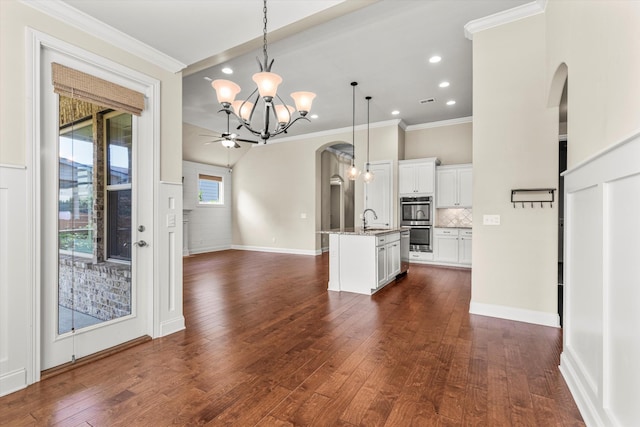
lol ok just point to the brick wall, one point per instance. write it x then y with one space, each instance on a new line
101 290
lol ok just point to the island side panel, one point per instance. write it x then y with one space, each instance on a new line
334 262
358 264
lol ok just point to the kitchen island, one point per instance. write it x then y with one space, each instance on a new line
363 261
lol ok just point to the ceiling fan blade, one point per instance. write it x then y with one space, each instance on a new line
211 136
246 140
237 145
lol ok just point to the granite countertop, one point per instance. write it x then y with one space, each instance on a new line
362 232
454 226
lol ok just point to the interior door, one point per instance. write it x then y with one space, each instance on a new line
95 226
378 195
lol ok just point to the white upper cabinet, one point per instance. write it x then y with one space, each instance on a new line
417 177
454 186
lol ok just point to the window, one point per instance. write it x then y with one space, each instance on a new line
210 190
75 189
118 188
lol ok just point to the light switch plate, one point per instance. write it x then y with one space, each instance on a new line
491 219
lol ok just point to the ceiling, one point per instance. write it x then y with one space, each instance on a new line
319 46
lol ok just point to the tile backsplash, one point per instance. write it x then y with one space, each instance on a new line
454 218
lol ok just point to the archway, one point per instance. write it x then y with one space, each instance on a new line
333 159
558 98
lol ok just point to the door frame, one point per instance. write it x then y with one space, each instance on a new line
102 67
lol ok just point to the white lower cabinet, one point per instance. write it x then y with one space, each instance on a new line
464 247
381 276
452 246
446 245
388 250
393 258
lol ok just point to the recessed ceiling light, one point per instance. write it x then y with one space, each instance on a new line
314 116
395 112
451 102
435 59
444 84
227 70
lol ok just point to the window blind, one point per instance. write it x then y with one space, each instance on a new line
210 178
78 85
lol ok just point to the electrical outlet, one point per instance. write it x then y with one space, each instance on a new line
491 219
303 216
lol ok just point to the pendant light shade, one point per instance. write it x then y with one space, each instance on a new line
226 91
368 175
242 109
303 101
353 173
267 84
284 113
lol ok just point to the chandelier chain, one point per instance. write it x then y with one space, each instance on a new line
264 32
368 102
353 127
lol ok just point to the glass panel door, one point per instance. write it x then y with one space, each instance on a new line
95 282
94 285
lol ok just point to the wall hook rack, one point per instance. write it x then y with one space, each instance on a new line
533 195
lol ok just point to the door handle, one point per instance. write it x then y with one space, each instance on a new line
140 243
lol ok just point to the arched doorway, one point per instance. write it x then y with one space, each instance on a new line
558 98
337 196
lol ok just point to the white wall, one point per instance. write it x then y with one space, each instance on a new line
275 185
598 41
18 278
450 143
515 145
209 225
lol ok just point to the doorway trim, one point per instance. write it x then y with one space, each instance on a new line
36 43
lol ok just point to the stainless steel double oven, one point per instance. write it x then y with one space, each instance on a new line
416 212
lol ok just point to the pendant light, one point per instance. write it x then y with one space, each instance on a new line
368 175
353 173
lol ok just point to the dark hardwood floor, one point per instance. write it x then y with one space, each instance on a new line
266 344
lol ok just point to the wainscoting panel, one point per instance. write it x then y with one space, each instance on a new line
602 285
15 281
622 298
169 262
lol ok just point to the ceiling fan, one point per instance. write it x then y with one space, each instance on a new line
228 139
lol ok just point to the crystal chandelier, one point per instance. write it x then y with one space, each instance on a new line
273 106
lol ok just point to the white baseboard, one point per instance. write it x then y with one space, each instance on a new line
170 326
517 314
194 251
277 250
13 381
570 371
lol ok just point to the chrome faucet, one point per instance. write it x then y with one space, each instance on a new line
364 217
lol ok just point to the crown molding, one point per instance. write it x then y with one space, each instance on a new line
395 122
62 11
441 123
510 15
